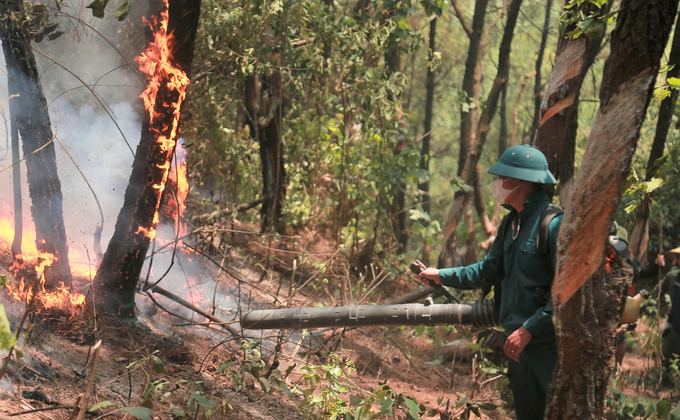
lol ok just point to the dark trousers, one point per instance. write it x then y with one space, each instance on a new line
530 378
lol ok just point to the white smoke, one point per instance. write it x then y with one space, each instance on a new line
83 125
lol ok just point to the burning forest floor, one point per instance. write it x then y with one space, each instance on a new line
185 368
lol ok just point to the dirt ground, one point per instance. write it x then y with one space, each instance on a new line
57 360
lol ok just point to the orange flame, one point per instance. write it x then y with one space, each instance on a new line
156 63
80 263
178 175
61 298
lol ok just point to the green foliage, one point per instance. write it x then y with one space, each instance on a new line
252 366
637 189
323 387
624 407
346 150
578 19
6 337
664 188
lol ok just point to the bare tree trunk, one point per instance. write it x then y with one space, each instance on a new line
556 132
503 130
427 126
399 214
489 111
271 155
29 113
472 83
640 235
538 84
264 108
116 280
470 154
586 304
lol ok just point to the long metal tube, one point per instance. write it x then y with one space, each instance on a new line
479 314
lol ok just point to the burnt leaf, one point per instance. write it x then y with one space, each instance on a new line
55 35
50 28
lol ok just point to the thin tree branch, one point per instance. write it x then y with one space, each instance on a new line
93 94
459 14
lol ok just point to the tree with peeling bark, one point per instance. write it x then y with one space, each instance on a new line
558 121
31 119
118 274
587 303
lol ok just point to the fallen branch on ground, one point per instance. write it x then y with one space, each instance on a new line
223 324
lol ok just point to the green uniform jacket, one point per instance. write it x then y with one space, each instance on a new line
523 268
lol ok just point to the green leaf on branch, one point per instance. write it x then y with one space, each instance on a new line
139 412
652 185
99 405
266 387
97 7
413 408
673 81
663 408
6 336
122 12
202 401
158 365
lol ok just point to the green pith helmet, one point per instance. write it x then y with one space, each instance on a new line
524 162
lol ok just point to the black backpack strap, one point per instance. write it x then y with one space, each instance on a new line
543 237
542 294
496 282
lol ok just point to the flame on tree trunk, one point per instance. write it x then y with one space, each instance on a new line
30 115
586 304
167 61
556 132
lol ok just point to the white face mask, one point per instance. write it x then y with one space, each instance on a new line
499 193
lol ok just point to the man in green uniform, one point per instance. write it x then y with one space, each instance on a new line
526 273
